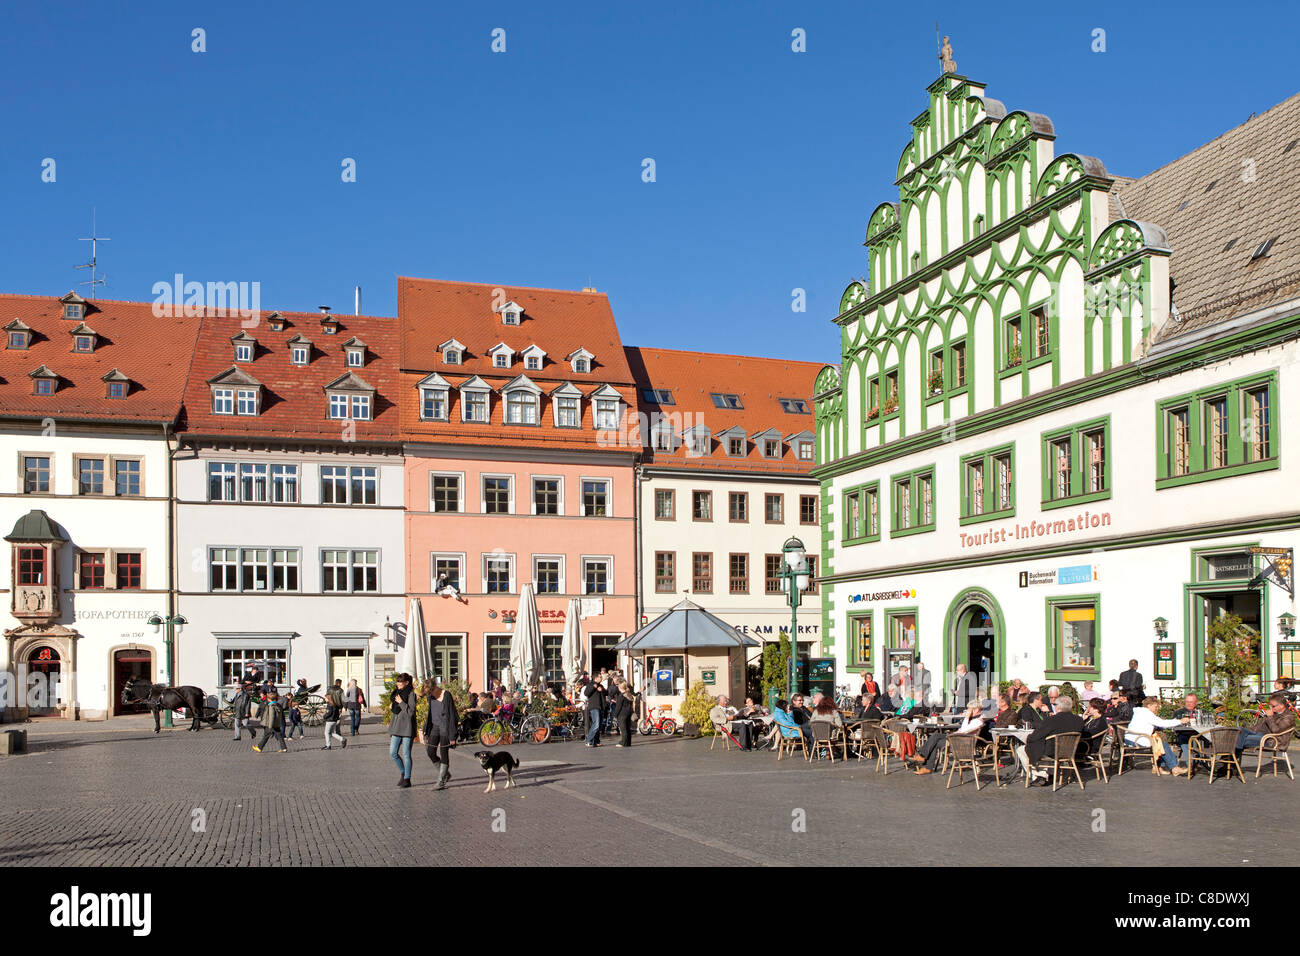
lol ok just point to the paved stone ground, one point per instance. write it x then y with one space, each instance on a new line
114 794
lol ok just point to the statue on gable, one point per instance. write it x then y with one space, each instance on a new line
945 55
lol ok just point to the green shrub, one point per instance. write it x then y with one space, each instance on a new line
1067 690
696 706
776 669
459 690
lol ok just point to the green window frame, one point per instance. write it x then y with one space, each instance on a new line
889 384
1076 464
862 513
988 485
1028 336
861 641
1056 617
947 371
912 502
1197 438
1288 659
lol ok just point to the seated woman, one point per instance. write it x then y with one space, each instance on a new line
1141 730
866 709
1094 722
827 712
931 751
782 723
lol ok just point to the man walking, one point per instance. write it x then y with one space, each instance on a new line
242 707
332 716
272 718
594 703
439 731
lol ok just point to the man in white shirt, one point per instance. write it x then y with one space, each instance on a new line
1142 728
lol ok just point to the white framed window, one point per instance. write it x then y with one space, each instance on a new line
805 451
434 404
533 363
548 573
597 574
446 492
363 485
223 569
521 407
451 357
254 569
581 365
355 571
299 354
74 311
474 406
548 494
333 485
567 411
338 406
284 484
355 358
595 497
223 401
446 570
222 481
606 414
253 482
498 573
361 408
498 494
284 569
365 572
334 571
501 360
244 352
247 401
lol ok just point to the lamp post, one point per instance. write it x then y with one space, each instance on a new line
174 623
794 581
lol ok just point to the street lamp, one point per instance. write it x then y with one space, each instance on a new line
174 623
794 571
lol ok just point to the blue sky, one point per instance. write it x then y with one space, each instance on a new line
524 167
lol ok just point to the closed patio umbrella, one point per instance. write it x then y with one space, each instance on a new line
526 645
573 653
415 653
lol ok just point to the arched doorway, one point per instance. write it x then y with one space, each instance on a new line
129 664
44 684
975 635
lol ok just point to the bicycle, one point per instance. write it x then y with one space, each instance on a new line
504 730
657 724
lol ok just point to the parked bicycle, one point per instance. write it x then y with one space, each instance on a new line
657 722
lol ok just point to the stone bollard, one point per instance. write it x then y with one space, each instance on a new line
13 742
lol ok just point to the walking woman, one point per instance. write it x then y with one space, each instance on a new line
355 700
622 708
439 731
402 728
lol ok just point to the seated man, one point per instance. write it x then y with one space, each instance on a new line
1178 739
866 709
801 715
1007 716
927 758
1064 721
721 715
1280 719
1034 711
1142 728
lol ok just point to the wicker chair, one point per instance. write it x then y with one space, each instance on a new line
964 751
865 740
876 737
1128 751
893 727
1221 748
1063 757
1096 758
788 738
823 738
1274 746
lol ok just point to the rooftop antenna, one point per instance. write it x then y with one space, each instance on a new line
94 239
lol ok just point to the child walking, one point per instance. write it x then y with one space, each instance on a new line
332 715
293 719
271 717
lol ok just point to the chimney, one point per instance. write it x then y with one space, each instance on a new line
589 288
328 324
356 308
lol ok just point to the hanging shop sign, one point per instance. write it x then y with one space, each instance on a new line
1280 569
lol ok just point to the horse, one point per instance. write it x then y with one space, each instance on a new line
159 697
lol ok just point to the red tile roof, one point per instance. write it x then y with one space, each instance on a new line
432 312
693 377
153 352
294 403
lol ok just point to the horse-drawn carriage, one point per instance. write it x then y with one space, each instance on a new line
310 704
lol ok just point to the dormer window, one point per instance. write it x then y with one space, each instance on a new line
83 343
435 398
503 356
349 397
580 361
534 357
235 392
44 382
299 350
451 356
19 334
735 441
474 400
698 440
768 443
246 401
511 313
501 360
276 321
772 448
736 447
244 344
566 404
453 352
74 307
523 399
223 401
605 407
354 352
117 384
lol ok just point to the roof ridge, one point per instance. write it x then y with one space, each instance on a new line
501 285
736 355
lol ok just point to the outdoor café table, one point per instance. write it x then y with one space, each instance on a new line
1019 733
1190 731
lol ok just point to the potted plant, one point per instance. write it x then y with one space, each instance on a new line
1013 356
874 413
891 404
935 382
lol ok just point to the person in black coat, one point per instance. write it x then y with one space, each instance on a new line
965 688
1064 721
866 709
1094 723
1132 683
439 730
622 710
1032 714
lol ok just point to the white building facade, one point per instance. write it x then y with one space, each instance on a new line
1060 421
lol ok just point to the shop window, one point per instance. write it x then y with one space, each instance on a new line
860 641
1073 635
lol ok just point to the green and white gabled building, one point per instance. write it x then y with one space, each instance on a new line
1067 404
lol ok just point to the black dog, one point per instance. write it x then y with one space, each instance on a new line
492 762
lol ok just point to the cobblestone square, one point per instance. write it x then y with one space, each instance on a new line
115 794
